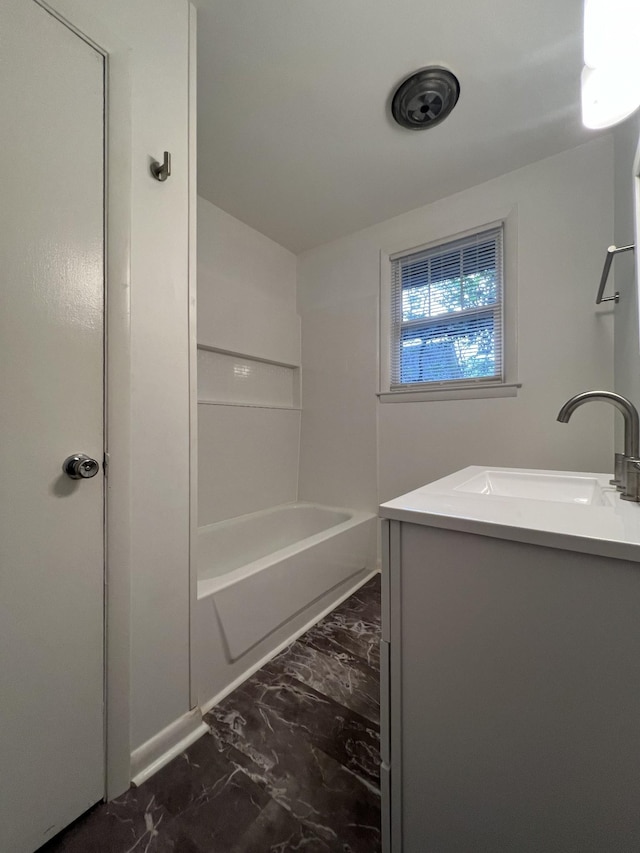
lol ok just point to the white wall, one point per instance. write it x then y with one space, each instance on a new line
565 345
623 278
248 382
157 32
155 35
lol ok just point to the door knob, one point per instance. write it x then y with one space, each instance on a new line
80 467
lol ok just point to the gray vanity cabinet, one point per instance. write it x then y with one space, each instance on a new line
510 695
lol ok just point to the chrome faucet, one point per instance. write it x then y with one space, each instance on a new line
626 476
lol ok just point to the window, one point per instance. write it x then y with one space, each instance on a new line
447 314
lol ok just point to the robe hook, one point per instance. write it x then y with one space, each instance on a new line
161 171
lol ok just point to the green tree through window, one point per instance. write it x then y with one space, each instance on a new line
448 312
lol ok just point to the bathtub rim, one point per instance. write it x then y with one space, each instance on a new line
209 586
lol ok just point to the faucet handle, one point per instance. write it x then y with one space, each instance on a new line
632 485
619 473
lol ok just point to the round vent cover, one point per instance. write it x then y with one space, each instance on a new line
426 98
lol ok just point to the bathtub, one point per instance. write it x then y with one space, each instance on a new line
266 577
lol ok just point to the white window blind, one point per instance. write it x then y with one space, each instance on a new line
446 314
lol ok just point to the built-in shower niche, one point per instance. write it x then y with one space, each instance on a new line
236 380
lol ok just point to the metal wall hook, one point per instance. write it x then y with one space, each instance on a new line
612 251
161 171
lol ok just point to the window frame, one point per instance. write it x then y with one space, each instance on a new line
455 389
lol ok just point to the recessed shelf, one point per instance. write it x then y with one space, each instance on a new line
229 379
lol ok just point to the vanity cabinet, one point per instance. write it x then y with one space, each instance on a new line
510 689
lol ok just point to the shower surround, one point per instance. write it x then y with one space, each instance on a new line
268 565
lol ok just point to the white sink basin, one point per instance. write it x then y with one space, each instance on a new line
566 488
579 511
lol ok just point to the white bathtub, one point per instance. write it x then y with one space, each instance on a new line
264 578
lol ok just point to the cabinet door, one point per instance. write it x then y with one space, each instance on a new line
520 697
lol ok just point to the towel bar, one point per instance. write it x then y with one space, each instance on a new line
612 251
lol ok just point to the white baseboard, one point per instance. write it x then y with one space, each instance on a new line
215 700
167 744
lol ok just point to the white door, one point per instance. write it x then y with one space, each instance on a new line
51 406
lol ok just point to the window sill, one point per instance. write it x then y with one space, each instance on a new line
471 392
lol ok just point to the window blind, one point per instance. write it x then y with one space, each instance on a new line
446 313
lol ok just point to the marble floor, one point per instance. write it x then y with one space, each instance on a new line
290 764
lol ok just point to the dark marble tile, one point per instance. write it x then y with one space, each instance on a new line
198 776
291 762
359 638
331 802
342 676
346 736
134 821
205 780
214 822
371 590
354 626
277 831
327 644
365 604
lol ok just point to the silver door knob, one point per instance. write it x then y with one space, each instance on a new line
80 467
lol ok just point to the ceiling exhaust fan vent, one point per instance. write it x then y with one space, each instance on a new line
425 98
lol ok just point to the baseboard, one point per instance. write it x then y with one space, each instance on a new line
166 745
206 706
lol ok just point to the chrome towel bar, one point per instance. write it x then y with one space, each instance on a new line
612 251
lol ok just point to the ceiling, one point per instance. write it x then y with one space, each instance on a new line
294 133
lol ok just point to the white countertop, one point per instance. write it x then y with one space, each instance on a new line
611 529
